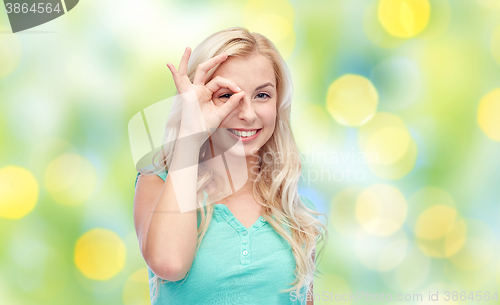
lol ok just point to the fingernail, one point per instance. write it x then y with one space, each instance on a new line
238 88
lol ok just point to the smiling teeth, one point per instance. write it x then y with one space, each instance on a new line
244 134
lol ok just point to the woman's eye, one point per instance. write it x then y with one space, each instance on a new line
260 95
227 95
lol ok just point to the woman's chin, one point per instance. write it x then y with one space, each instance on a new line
239 150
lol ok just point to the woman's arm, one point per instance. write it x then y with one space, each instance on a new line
311 297
167 237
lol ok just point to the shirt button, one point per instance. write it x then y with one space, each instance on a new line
255 226
245 232
245 252
263 220
245 241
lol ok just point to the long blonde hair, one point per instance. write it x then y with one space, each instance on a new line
275 187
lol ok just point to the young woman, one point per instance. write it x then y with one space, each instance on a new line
254 244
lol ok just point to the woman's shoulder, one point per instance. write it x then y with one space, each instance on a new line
161 174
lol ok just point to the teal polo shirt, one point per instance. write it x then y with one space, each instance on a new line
236 265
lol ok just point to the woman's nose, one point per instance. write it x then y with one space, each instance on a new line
246 109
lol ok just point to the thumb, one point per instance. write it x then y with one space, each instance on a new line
233 101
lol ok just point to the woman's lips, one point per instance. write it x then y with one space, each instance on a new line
244 139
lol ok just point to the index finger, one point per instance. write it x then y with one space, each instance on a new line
184 61
181 88
202 70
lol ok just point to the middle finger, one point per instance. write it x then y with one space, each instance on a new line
221 82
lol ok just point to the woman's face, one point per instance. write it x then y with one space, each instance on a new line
254 118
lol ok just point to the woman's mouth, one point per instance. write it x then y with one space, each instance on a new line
245 135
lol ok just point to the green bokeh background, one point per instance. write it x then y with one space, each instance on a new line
72 85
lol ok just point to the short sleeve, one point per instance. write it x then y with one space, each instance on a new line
137 177
309 204
162 174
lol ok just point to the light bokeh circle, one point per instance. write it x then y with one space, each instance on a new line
381 210
436 222
352 100
390 144
18 192
274 20
136 288
440 231
70 179
426 198
100 254
391 149
488 114
403 18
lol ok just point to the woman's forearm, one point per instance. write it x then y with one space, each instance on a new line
172 234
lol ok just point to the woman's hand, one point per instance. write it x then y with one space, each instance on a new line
199 113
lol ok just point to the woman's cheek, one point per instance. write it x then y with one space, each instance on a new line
268 113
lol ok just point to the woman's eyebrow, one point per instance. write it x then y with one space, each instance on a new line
263 86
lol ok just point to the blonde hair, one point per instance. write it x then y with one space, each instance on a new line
278 194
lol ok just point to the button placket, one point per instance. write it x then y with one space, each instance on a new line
245 246
243 232
245 237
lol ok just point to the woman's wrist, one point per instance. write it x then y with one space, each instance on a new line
189 135
186 153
